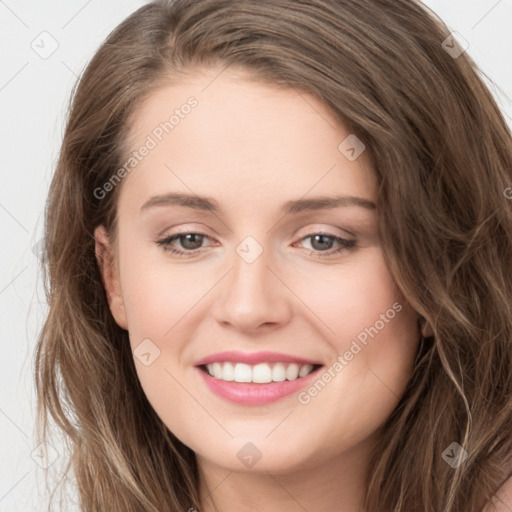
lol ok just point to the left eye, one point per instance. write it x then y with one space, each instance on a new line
192 243
320 239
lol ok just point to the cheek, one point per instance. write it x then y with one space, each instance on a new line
157 294
367 322
157 297
349 298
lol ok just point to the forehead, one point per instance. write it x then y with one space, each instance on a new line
222 133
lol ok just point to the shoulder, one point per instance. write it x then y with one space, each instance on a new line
502 500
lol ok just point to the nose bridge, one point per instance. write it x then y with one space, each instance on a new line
251 262
250 277
251 294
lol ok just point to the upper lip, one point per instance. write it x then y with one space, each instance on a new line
253 358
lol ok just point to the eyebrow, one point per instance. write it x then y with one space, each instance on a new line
290 207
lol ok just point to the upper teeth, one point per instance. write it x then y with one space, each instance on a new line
259 373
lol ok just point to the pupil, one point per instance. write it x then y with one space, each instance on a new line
323 245
188 239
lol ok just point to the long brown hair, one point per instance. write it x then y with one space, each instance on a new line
442 153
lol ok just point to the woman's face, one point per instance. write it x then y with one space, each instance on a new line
265 272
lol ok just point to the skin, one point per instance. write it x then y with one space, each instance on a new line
252 147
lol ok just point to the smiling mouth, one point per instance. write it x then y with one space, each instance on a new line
262 373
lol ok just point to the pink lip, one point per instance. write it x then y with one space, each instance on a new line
252 358
246 393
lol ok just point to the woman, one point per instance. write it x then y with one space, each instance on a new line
204 349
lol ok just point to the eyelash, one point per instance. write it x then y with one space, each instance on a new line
345 245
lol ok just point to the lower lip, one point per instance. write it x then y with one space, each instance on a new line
255 394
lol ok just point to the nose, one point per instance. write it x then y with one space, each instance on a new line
253 296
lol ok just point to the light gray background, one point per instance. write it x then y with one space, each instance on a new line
34 92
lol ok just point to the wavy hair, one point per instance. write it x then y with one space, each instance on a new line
442 154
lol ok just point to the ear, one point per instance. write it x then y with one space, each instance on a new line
110 276
425 327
